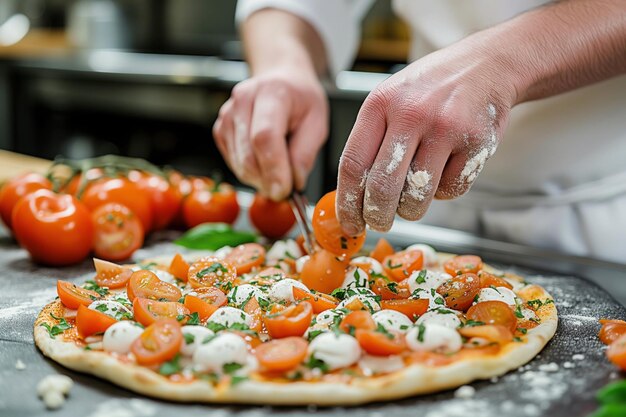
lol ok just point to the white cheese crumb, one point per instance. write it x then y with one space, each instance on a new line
578 357
52 389
549 367
19 365
568 365
466 391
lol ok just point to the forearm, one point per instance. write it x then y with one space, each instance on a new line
274 38
560 47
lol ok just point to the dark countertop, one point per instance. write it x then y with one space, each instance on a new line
561 381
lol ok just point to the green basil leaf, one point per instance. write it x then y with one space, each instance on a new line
213 236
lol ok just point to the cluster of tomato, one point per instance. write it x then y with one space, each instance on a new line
613 334
110 215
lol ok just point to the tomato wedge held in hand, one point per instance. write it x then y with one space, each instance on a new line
463 264
72 296
401 264
245 257
209 272
292 321
145 284
148 311
89 322
281 355
318 300
118 232
493 312
159 342
328 231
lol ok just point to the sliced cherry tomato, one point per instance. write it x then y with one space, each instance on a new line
493 312
145 284
158 343
382 250
179 267
118 232
412 308
490 280
209 272
390 290
205 301
292 321
245 257
281 355
328 231
111 275
90 321
611 330
56 229
211 204
165 200
379 343
253 308
16 188
121 191
357 320
492 332
323 272
617 352
463 264
273 219
460 291
72 295
300 242
401 264
318 300
270 275
148 311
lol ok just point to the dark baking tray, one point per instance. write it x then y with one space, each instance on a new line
561 381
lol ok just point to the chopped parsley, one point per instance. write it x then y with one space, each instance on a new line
473 323
92 286
421 277
314 363
231 368
102 308
215 326
537 304
381 329
194 319
211 270
393 287
313 334
237 379
518 312
339 293
439 300
393 266
59 328
522 330
171 367
149 266
189 338
421 329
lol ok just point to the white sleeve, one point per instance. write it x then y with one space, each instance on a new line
338 23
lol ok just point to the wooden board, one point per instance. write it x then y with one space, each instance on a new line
12 164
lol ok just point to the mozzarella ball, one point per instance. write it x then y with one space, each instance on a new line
164 276
426 280
355 278
496 294
193 336
284 249
335 350
300 262
328 316
120 336
393 320
283 290
441 316
371 365
54 383
430 254
224 349
434 338
222 252
366 296
435 299
375 266
242 293
227 316
111 309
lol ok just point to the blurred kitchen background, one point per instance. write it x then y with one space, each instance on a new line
146 78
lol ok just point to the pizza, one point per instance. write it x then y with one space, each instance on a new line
274 325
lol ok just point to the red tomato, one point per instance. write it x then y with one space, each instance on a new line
492 332
165 199
145 284
245 257
159 343
72 296
401 264
205 301
357 320
16 188
460 291
328 231
318 300
121 191
488 280
611 330
118 232
273 219
323 272
390 290
216 204
617 352
412 308
379 343
281 355
90 322
179 267
382 250
463 264
292 321
72 186
148 311
493 312
111 275
56 229
208 272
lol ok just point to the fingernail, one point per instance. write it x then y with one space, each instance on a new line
276 191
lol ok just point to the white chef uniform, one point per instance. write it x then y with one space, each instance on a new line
558 179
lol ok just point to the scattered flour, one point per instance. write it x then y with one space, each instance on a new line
578 357
549 367
475 165
364 179
418 184
125 408
19 365
399 149
35 301
466 391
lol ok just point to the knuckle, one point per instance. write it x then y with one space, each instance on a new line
262 138
443 124
351 163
